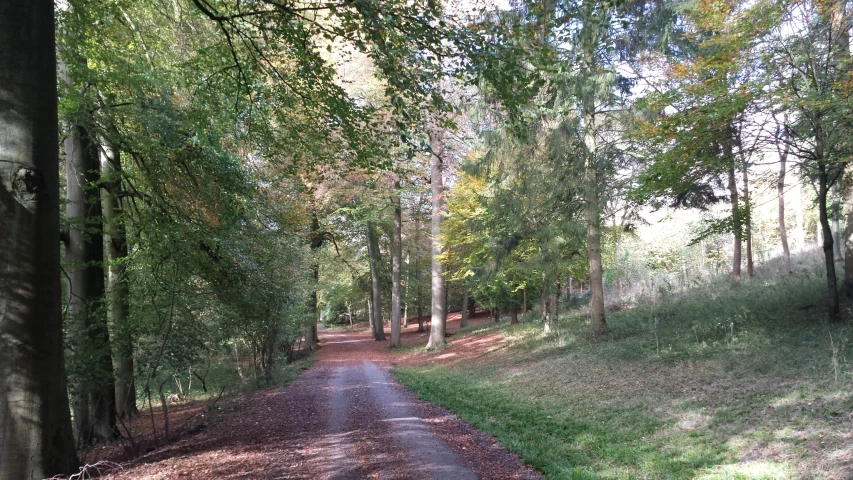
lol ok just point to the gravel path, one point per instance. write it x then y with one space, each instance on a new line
344 418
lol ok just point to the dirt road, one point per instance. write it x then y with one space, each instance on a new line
345 418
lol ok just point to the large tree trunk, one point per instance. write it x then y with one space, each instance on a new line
376 288
396 260
780 189
829 260
93 384
439 304
118 293
593 229
93 387
35 427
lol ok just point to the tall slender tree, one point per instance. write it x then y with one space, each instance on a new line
438 314
117 289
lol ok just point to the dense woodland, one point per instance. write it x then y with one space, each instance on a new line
189 187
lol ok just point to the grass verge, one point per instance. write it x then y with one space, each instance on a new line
725 382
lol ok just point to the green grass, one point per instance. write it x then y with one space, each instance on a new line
725 382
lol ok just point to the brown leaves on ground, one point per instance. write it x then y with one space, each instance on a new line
284 432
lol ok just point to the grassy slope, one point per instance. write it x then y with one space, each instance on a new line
723 382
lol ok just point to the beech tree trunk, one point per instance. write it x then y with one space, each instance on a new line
93 387
117 290
373 252
396 260
439 304
35 426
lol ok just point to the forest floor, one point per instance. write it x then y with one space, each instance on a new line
343 418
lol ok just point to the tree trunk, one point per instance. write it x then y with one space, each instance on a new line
847 286
117 290
593 246
316 243
829 260
800 229
373 252
35 430
780 189
472 307
370 315
421 328
439 305
524 301
396 260
93 384
407 291
747 219
836 220
733 197
464 322
514 319
569 291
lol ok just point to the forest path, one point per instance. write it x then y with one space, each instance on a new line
374 428
343 418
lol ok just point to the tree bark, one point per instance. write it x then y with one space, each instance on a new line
376 287
439 304
35 430
829 260
396 260
514 318
316 243
118 293
593 234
